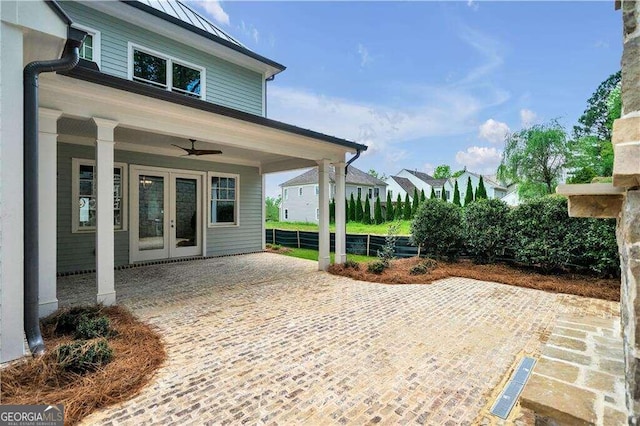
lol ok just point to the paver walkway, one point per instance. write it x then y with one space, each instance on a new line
266 339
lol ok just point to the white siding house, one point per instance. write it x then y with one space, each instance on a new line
494 189
421 181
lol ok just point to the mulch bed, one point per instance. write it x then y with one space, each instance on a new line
398 273
138 353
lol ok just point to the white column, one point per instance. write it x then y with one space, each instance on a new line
11 198
324 258
104 211
47 217
341 231
264 212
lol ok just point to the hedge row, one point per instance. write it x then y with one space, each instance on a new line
538 233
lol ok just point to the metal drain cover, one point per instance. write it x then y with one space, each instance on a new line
508 397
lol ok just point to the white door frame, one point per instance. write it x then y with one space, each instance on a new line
135 255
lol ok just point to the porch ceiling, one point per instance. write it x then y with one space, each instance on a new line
83 131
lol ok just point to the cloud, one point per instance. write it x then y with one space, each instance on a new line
527 117
214 9
601 44
249 31
479 159
363 52
428 168
493 131
473 4
488 47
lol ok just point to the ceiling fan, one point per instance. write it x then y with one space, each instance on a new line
194 151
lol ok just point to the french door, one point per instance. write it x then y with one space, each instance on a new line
166 215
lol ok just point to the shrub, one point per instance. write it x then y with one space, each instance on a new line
67 320
424 267
376 267
91 328
82 356
351 264
366 215
377 212
274 246
437 228
387 252
486 233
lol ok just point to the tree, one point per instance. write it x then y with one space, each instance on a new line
389 214
442 172
534 158
359 211
352 209
443 194
377 175
481 192
422 197
272 208
468 196
347 211
407 208
399 208
456 195
377 212
595 121
457 174
366 215
332 211
433 194
416 201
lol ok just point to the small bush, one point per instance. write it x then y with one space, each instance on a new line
387 253
424 267
351 264
82 356
376 267
438 229
67 320
486 233
274 246
91 328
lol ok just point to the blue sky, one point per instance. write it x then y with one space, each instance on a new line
427 83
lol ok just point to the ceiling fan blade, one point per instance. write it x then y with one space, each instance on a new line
207 152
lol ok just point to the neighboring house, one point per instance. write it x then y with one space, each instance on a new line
512 198
399 185
106 179
300 194
494 188
421 181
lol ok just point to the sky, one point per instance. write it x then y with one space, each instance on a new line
426 83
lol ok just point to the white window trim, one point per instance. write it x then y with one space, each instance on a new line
170 60
286 194
75 193
237 211
96 41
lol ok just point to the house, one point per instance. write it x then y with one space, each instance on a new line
142 138
300 194
421 181
491 184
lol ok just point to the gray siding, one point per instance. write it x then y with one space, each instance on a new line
227 84
77 251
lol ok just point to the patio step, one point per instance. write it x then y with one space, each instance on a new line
579 379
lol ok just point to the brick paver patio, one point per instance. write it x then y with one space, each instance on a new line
266 339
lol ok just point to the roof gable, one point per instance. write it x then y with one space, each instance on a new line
354 176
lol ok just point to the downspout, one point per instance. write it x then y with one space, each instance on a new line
351 160
69 60
268 79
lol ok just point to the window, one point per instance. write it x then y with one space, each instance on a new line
446 194
390 193
84 196
300 192
156 69
376 192
359 192
90 48
223 199
438 192
317 214
317 189
286 194
286 213
370 192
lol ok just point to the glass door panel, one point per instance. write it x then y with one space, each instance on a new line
185 215
151 213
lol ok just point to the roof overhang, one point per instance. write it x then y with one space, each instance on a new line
166 25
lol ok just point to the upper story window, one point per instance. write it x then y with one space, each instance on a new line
359 192
438 193
370 192
90 49
286 194
300 192
156 69
447 195
376 192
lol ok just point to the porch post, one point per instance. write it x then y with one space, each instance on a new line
323 220
264 214
341 234
104 211
47 212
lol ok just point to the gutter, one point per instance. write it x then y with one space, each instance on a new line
69 60
351 160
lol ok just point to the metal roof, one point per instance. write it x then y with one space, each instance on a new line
354 176
181 11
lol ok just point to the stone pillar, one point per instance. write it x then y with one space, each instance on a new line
104 211
626 174
341 232
47 217
324 257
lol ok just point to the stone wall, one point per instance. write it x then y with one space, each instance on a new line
626 174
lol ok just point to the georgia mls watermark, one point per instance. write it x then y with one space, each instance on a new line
31 415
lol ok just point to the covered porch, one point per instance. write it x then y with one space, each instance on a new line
116 186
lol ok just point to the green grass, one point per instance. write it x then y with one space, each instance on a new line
352 227
313 255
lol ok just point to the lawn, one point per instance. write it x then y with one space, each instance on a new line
352 227
313 254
